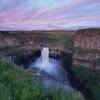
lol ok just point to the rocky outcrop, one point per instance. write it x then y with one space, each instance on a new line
7 41
88 39
87 48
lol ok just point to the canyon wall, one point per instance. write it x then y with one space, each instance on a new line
28 41
22 41
87 48
23 38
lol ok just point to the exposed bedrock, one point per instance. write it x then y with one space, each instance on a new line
29 41
87 48
24 38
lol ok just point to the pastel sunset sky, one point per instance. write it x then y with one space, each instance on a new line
49 14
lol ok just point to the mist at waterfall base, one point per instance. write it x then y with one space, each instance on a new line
51 67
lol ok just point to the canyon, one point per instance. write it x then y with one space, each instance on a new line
79 52
85 44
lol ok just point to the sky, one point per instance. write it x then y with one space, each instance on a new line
49 14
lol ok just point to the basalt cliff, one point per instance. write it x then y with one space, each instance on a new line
87 48
27 41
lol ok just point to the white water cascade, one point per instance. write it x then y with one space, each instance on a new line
54 73
49 65
45 55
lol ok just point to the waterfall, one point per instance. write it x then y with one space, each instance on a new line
49 65
50 71
45 54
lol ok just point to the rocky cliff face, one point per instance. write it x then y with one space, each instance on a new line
88 39
22 41
87 48
23 38
28 41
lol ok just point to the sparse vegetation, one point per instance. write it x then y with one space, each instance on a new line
64 40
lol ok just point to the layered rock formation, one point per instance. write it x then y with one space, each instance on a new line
87 48
23 38
21 41
31 40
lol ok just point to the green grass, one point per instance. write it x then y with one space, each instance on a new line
91 81
19 84
78 49
97 62
64 40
